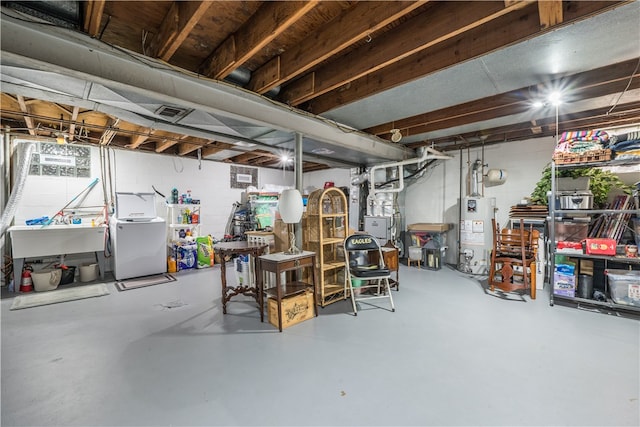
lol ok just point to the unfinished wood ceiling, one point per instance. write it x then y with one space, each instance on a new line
343 60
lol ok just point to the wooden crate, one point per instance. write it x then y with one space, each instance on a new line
295 309
588 157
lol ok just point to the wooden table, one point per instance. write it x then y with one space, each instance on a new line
225 249
279 263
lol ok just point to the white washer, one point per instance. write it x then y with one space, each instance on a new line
138 237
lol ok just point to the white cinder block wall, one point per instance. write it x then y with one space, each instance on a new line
208 181
137 172
435 197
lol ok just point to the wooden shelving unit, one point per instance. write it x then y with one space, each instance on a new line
325 226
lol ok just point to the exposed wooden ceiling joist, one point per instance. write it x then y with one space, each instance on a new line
500 32
550 12
595 83
176 26
271 20
356 24
625 114
28 120
416 34
322 55
93 16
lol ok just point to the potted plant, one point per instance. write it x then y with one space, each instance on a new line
601 182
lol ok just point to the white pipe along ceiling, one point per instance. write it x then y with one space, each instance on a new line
60 65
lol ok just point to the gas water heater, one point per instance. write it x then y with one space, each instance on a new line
476 237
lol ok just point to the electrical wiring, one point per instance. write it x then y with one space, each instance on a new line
615 104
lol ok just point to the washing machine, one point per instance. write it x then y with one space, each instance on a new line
138 237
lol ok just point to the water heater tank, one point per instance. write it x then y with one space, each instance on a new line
476 237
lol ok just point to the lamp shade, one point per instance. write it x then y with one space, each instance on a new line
290 206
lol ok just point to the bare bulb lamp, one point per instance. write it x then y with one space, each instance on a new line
290 207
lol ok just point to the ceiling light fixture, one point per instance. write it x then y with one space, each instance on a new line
555 98
396 135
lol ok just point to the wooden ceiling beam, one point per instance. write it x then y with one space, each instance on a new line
110 132
550 12
170 140
72 125
505 30
357 23
624 114
249 155
138 140
186 148
269 21
416 34
93 16
164 145
27 119
595 83
215 147
176 26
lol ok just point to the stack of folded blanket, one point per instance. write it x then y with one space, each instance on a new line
626 146
580 142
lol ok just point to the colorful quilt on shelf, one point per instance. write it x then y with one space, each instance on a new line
582 141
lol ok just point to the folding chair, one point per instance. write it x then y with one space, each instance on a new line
358 249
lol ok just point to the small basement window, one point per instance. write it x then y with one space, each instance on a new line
51 159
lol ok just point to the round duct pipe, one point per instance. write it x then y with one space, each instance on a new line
241 76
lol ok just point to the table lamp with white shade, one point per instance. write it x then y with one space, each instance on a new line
290 207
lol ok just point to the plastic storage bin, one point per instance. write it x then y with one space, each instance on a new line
624 286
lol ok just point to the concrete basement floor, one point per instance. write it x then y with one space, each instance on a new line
451 354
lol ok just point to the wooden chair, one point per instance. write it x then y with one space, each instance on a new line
513 259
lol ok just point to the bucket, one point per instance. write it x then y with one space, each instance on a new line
585 286
46 280
88 272
415 253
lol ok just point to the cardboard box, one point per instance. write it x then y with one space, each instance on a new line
430 227
295 309
564 284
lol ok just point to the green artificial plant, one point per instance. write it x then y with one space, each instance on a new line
600 183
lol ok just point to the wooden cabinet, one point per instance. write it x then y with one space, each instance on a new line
325 227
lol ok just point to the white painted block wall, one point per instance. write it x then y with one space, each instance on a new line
435 197
135 171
